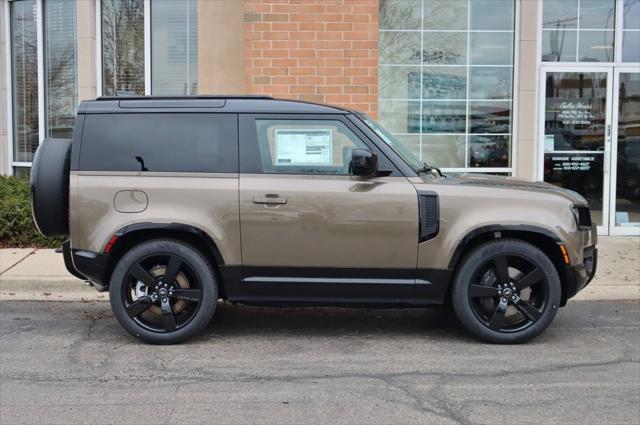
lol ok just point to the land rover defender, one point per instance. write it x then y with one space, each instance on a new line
172 203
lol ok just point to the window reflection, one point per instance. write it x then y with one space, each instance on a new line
24 64
400 14
445 14
559 46
60 62
174 47
489 151
580 31
443 82
449 48
451 81
631 31
446 151
490 83
489 117
122 46
444 117
575 111
399 47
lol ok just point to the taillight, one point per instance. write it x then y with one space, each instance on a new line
110 244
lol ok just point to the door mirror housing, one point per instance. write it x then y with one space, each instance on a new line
364 163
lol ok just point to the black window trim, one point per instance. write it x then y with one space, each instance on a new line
248 142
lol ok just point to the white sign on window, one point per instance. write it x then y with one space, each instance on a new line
549 142
303 147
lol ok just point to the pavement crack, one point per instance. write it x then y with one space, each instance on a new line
419 402
204 376
18 262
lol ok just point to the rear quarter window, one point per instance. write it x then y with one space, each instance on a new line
160 142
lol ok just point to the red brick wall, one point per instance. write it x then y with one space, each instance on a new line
316 50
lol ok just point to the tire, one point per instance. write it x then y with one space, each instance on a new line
49 182
155 307
529 283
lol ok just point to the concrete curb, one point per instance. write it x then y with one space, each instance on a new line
38 289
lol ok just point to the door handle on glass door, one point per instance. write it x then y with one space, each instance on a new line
269 198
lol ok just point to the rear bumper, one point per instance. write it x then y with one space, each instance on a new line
577 277
86 265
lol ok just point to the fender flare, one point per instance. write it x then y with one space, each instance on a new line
464 242
174 227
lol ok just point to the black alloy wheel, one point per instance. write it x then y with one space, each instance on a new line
163 291
506 291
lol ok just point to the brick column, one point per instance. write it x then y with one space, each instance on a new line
315 50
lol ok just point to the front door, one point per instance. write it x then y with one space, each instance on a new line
590 137
577 134
310 230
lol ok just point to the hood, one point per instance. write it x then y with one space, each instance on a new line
511 183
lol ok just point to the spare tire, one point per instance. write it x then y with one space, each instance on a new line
50 187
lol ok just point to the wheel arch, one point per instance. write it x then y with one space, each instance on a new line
544 239
129 236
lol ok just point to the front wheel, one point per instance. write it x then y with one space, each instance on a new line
506 291
163 291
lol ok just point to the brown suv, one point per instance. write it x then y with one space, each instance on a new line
174 203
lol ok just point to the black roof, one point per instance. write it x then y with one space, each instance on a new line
222 104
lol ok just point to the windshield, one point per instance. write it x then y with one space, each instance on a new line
409 157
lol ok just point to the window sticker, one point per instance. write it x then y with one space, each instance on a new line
549 142
303 147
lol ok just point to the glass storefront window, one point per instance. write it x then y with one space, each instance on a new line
631 31
446 80
122 28
60 67
174 47
24 71
578 30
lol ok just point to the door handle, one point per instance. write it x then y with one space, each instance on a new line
269 198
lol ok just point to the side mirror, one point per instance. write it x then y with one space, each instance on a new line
364 163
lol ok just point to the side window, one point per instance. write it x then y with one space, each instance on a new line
305 146
169 142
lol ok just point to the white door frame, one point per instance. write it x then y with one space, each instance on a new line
613 229
576 67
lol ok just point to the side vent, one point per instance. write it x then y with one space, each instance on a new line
429 212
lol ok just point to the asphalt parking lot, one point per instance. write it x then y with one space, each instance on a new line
71 363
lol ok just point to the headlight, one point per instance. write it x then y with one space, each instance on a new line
582 214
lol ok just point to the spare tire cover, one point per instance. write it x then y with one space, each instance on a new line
50 187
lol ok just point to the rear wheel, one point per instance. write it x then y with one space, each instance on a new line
506 291
163 291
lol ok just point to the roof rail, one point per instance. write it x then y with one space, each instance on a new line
137 97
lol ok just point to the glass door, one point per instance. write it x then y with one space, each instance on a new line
576 134
625 176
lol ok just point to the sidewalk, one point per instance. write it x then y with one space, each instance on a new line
30 274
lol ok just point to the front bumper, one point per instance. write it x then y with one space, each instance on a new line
577 277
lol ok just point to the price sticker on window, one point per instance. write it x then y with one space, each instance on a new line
303 147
